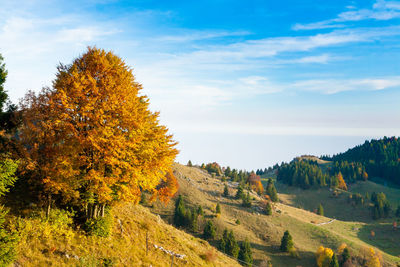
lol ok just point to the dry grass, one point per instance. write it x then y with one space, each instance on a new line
42 244
264 232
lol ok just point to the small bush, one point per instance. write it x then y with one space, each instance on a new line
99 227
237 222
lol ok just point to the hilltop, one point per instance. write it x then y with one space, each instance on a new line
308 229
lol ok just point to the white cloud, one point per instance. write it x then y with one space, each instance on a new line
381 10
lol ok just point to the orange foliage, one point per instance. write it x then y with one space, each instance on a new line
92 136
342 183
167 188
258 187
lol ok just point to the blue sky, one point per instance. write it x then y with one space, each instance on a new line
243 83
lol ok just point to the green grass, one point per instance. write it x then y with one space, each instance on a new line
352 227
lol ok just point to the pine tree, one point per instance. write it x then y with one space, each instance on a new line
345 256
239 192
246 200
3 77
200 210
287 242
245 254
226 191
223 241
320 210
218 209
271 191
232 247
398 212
189 164
334 261
268 209
180 213
209 230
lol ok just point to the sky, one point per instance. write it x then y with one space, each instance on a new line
244 83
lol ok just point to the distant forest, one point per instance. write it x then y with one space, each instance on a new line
375 158
380 158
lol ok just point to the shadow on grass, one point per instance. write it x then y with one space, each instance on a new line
381 235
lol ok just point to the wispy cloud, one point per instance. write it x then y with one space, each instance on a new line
381 10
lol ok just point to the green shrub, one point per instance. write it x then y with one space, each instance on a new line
101 226
8 241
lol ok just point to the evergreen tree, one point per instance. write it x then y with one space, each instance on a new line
334 261
200 210
189 164
232 247
398 212
239 192
287 242
218 209
245 254
271 191
246 200
209 230
3 77
345 256
226 191
223 241
180 213
268 209
193 220
320 210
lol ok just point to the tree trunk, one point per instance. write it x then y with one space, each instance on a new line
95 211
48 205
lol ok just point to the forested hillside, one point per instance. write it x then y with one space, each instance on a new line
380 158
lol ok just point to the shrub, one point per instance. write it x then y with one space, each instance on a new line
8 241
101 226
237 221
287 242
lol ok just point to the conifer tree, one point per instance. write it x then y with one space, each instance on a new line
232 247
246 200
209 230
239 192
245 254
271 191
3 77
200 210
180 212
334 261
287 242
342 184
218 209
398 212
189 164
268 209
226 191
320 210
345 256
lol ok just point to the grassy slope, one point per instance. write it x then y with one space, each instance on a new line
39 238
264 232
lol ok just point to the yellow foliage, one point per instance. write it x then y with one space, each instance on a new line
341 248
324 256
373 260
342 183
92 137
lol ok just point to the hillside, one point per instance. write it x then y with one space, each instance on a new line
264 231
54 243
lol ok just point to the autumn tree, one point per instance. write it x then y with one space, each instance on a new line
92 137
342 184
324 256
